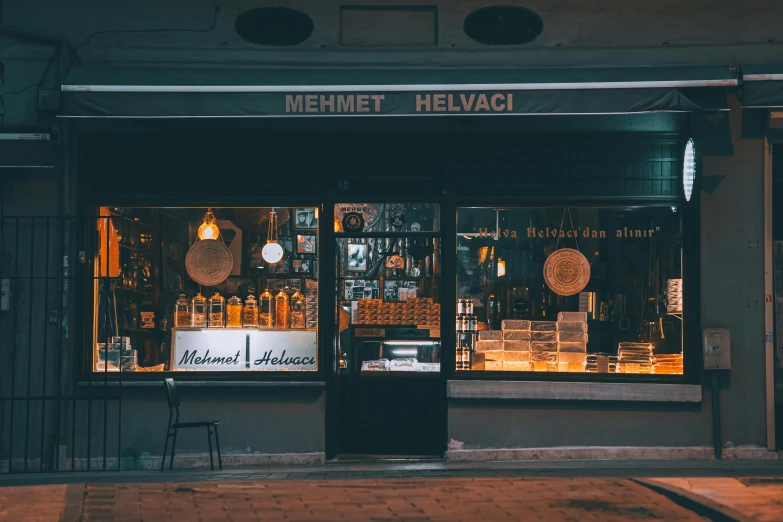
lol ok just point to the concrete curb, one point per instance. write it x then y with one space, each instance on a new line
696 503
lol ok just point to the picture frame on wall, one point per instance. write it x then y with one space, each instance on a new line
303 266
304 219
306 243
356 258
397 291
356 289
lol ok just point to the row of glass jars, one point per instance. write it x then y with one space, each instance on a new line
279 311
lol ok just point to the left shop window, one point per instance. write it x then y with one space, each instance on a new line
205 289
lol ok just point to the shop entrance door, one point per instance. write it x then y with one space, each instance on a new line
391 398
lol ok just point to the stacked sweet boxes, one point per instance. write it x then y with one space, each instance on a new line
634 358
516 345
488 354
572 341
419 311
543 346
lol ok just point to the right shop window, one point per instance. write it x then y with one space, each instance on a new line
570 289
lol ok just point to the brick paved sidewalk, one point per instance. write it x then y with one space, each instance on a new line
752 498
446 499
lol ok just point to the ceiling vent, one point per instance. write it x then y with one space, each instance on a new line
274 26
503 25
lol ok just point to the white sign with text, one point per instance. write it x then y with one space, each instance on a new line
243 349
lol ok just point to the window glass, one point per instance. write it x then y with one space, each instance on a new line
388 289
198 289
386 217
574 289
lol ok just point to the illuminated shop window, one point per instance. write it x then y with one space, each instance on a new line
205 289
579 289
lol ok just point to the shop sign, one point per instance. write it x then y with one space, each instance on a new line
566 271
400 103
208 350
243 349
283 350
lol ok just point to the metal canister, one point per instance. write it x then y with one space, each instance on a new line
468 306
470 323
461 307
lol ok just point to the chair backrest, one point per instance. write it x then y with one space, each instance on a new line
171 392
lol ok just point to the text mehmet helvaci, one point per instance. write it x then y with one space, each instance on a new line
244 350
472 102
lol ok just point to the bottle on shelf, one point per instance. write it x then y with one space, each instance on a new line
266 310
199 307
282 311
234 312
217 311
250 313
297 310
183 312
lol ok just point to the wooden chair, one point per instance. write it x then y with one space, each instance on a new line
175 425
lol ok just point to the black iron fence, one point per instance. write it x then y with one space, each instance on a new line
54 415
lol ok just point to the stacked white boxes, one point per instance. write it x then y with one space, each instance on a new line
516 345
543 346
572 341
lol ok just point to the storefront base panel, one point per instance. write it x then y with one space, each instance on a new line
609 453
181 461
582 391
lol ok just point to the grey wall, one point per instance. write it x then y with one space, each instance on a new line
177 33
254 420
732 289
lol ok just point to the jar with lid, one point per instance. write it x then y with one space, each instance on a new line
217 311
199 307
183 312
266 307
250 313
297 310
234 312
281 310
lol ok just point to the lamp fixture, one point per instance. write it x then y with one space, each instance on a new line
501 268
209 228
688 170
272 251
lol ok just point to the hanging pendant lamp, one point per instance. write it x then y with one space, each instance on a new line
209 228
272 251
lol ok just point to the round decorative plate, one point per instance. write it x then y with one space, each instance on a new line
566 271
209 262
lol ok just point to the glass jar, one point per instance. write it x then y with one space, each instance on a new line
234 312
297 310
250 313
281 310
199 307
183 312
266 310
217 311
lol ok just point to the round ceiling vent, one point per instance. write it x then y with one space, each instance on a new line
274 26
503 25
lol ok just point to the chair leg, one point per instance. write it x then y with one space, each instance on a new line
165 446
173 445
209 441
217 443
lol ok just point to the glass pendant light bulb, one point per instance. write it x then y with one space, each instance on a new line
208 229
272 252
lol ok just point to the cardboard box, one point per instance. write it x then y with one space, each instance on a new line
485 346
516 346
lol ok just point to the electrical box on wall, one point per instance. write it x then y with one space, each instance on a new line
716 343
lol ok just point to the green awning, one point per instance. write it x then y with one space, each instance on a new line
111 92
762 86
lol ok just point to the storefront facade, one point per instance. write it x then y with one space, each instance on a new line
581 228
620 198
